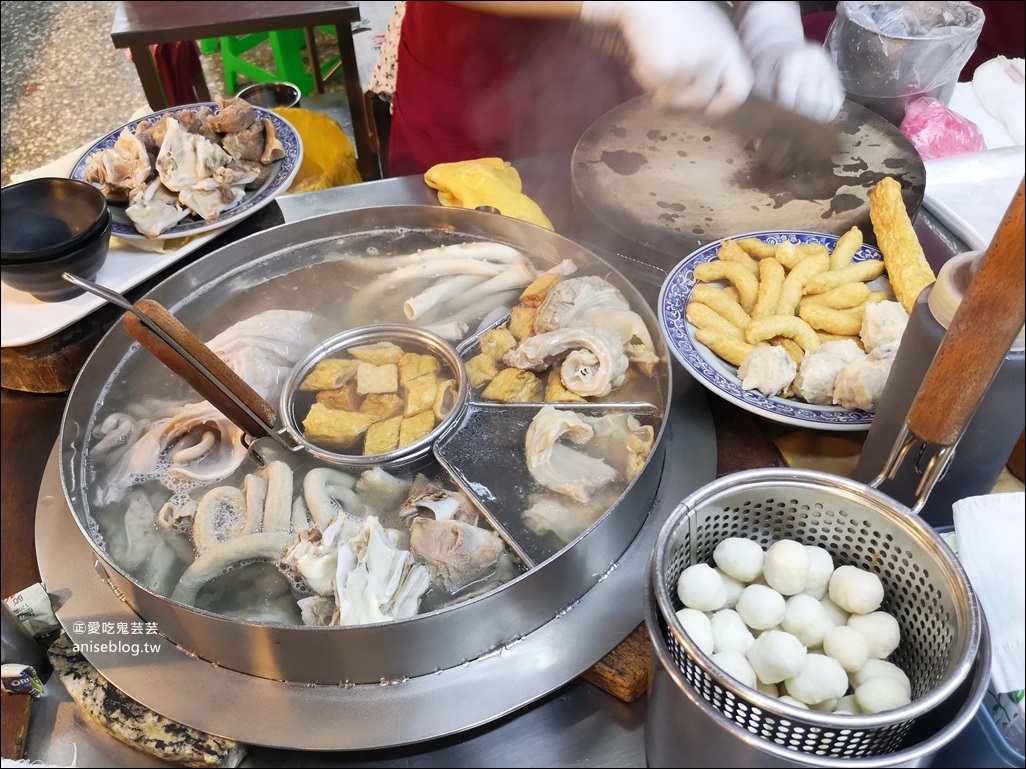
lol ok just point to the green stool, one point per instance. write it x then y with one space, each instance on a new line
289 64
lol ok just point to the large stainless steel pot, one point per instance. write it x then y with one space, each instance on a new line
299 261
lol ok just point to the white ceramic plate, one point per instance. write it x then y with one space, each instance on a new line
721 377
254 200
26 319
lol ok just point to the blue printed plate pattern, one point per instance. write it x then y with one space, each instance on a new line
254 200
720 376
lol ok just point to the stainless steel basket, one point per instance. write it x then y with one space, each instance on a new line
926 590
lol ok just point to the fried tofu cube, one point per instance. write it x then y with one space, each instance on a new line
330 374
513 385
497 342
416 427
342 399
481 369
334 429
521 322
378 353
420 394
535 294
556 392
382 406
382 437
414 364
371 378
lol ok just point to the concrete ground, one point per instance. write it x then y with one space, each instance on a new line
64 84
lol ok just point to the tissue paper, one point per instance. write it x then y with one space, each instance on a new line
990 535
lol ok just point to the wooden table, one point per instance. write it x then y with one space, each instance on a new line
138 25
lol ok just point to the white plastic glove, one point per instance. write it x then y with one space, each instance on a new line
687 54
796 73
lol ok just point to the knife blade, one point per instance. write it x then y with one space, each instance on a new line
784 142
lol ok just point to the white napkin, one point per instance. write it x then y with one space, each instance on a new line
990 533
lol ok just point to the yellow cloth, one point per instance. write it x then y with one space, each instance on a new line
329 157
485 182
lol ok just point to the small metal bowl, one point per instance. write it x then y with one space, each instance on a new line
45 218
271 95
295 403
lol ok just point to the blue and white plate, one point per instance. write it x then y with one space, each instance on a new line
720 376
254 200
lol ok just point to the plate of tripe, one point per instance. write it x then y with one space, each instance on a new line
191 169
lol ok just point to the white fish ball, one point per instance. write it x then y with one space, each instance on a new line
821 566
821 678
881 693
837 615
736 665
806 618
881 631
700 587
847 705
826 706
848 646
776 656
730 633
740 558
786 567
856 590
875 668
734 588
770 690
793 702
697 626
760 607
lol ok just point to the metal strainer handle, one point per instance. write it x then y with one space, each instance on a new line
970 355
174 345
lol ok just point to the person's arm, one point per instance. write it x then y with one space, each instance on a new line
788 69
686 53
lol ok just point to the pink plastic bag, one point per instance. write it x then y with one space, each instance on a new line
937 132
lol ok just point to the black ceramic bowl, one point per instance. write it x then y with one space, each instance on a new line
271 95
42 277
43 218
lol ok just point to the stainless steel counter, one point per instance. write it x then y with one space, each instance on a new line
573 725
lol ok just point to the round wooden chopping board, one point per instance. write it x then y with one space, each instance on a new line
672 182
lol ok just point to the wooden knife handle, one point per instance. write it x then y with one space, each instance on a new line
167 355
983 329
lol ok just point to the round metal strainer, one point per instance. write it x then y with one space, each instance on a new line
926 590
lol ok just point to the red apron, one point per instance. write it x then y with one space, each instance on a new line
472 85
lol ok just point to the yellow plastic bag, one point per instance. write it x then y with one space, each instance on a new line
329 157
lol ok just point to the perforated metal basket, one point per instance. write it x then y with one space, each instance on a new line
926 590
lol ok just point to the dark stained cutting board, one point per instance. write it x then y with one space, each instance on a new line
670 182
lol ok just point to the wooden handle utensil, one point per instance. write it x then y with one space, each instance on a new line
983 329
188 371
